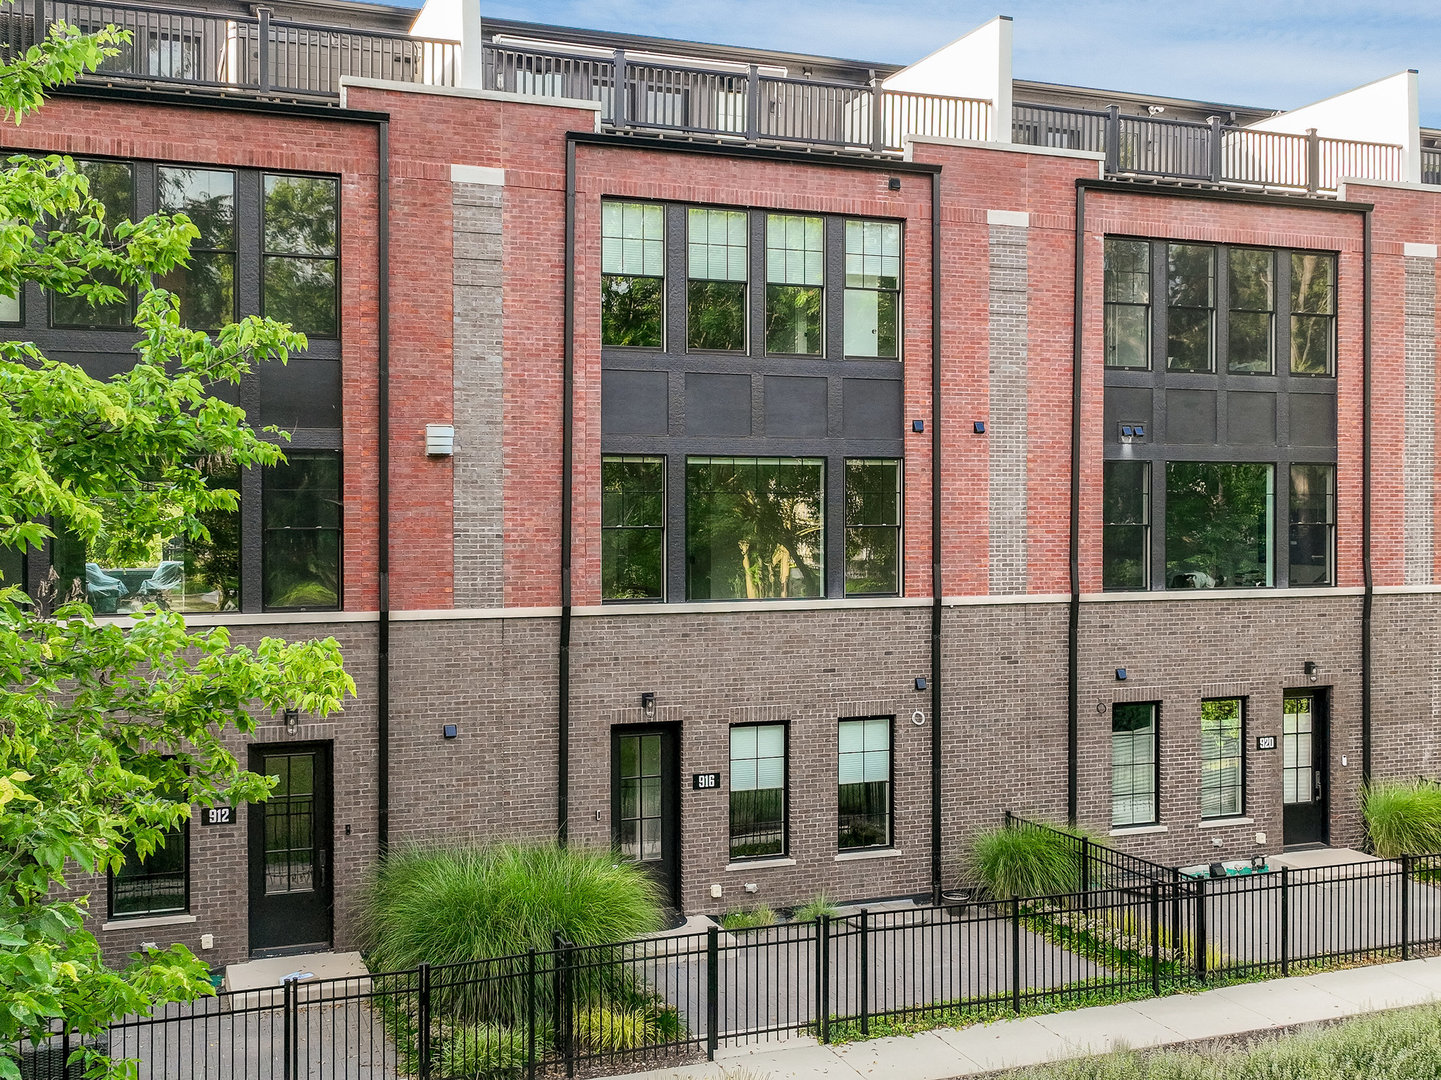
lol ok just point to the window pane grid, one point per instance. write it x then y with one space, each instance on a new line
1126 535
1313 313
757 791
302 527
1128 303
872 294
632 528
1221 758
1191 302
300 271
1252 306
865 783
1133 764
1219 525
112 184
873 527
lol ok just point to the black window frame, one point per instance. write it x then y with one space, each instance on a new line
126 322
785 829
334 258
898 528
197 246
1240 757
182 831
661 279
692 280
1155 789
890 840
662 527
785 282
896 292
338 529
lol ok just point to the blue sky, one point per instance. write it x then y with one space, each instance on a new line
1270 53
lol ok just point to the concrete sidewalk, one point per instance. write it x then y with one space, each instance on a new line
1002 1044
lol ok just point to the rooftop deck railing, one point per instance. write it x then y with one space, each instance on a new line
745 104
257 54
1214 152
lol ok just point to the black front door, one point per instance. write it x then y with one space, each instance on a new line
290 833
1303 768
645 802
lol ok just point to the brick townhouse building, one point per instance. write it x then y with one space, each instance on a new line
775 466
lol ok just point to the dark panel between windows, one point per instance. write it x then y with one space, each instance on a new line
1126 405
1251 418
1191 416
1313 420
795 407
303 394
717 404
871 408
634 402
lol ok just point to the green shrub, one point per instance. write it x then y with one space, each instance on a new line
1403 818
748 919
814 908
1025 862
455 905
609 1028
484 1051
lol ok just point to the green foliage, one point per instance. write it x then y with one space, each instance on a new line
1402 1045
484 1051
109 735
1025 862
814 908
748 918
609 1028
1403 818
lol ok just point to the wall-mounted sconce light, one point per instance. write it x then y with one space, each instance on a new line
291 718
918 426
647 702
439 440
894 183
1312 669
920 684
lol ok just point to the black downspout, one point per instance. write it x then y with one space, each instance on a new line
1073 628
1368 593
936 582
382 457
562 829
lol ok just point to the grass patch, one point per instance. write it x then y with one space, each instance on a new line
814 908
1025 862
1403 818
748 918
1401 1045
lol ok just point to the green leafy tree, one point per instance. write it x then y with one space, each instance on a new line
109 734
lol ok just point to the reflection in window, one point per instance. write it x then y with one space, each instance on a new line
795 273
716 289
302 526
1312 541
758 790
632 537
1219 525
1126 540
1313 314
112 184
632 266
1221 783
1133 763
754 528
300 265
639 792
1253 302
864 797
180 573
206 286
1128 304
873 527
159 884
1190 306
290 840
873 288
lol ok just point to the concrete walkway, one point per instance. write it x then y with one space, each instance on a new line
1002 1044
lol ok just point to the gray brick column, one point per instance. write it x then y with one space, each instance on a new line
1418 462
1007 412
479 464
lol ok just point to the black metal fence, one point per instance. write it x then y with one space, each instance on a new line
1140 930
1213 152
176 46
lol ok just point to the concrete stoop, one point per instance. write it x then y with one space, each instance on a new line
318 977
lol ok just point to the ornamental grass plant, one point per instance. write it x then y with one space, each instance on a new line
1025 862
1403 818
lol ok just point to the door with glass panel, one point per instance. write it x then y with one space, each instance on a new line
290 883
1303 768
645 802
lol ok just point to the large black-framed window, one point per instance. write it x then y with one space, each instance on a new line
632 527
1190 307
158 884
717 273
1128 303
1135 763
758 793
1223 781
302 533
112 184
632 269
1220 525
1126 536
865 787
206 284
301 263
795 284
873 527
1312 540
873 288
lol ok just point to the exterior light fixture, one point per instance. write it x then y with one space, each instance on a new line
920 684
918 426
1120 674
450 731
894 183
647 703
291 718
1312 669
979 427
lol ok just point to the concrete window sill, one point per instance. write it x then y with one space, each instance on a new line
758 864
1139 830
1221 823
153 920
879 853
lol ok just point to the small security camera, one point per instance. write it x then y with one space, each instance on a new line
1155 110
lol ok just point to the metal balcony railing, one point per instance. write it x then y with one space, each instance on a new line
1431 166
259 54
1211 152
744 105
